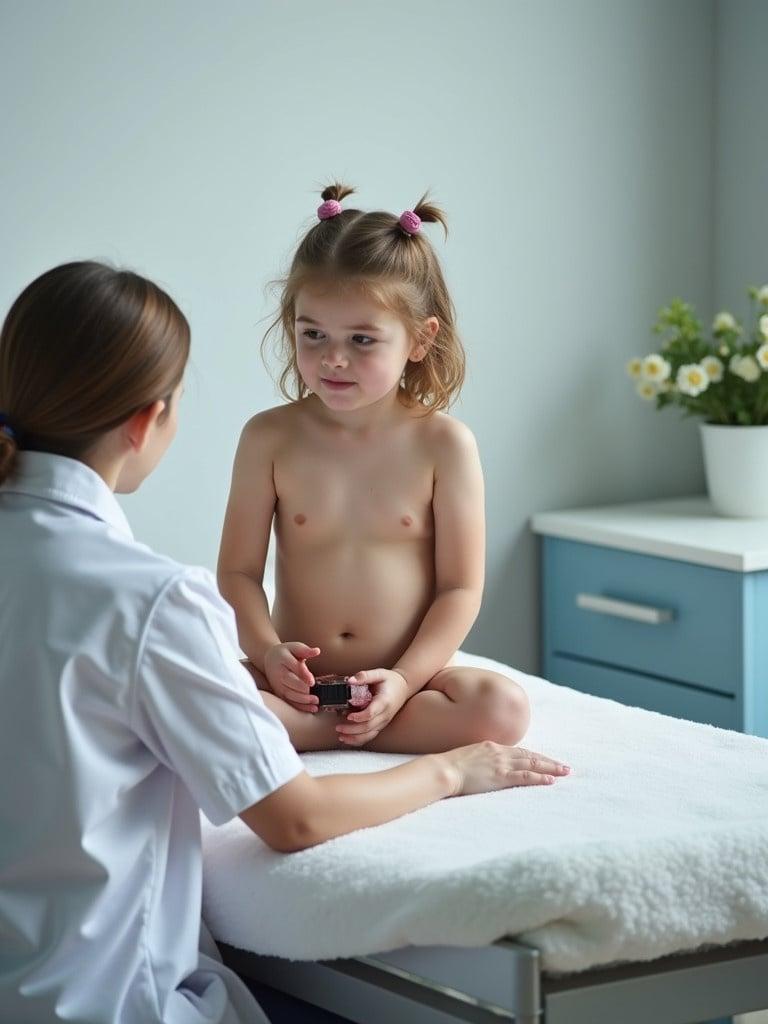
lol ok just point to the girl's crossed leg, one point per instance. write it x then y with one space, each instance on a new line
459 705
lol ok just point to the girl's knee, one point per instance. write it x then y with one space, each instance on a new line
501 712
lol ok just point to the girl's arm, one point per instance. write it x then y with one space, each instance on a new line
459 510
245 537
243 552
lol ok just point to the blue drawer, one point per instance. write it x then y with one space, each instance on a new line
644 692
701 644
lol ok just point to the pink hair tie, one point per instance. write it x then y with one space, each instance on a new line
410 222
330 208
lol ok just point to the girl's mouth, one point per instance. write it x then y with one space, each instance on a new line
337 385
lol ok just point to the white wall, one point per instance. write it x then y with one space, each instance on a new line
570 142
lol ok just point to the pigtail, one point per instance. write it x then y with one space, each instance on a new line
337 191
430 213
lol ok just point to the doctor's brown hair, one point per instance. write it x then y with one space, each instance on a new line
82 349
400 271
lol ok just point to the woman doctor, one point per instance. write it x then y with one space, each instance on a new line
123 707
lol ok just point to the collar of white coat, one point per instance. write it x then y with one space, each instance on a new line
68 482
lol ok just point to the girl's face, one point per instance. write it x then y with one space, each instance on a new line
350 351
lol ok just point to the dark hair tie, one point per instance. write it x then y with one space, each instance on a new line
6 428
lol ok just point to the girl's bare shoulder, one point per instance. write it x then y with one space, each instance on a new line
447 436
273 424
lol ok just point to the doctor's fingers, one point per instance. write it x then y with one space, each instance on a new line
540 762
532 771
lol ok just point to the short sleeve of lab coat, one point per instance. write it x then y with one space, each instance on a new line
197 708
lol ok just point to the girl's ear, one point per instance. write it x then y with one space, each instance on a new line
429 329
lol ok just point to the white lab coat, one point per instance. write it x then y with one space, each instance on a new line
123 710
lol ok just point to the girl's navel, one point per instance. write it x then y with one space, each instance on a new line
406 520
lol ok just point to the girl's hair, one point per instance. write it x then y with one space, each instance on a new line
397 269
83 348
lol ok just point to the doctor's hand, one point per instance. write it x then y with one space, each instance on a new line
285 666
390 692
487 766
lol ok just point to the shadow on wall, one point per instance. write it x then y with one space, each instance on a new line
508 626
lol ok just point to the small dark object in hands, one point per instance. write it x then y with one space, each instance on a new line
336 693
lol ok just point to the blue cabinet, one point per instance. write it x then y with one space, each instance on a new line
670 634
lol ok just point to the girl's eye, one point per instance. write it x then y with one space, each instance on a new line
311 334
363 340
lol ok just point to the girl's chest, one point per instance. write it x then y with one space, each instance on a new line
385 495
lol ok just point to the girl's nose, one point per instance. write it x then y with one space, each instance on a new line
335 356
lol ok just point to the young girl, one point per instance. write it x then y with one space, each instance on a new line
124 707
376 498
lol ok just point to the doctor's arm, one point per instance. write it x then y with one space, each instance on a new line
310 810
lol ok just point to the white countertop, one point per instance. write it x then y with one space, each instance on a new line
683 528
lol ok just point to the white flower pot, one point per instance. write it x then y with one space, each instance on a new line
736 466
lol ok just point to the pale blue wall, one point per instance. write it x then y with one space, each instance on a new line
571 142
741 161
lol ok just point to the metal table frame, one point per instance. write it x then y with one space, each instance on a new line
490 984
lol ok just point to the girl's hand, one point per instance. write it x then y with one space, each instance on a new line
487 766
390 692
285 666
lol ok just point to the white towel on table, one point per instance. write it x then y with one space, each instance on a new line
657 843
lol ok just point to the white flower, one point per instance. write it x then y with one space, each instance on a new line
762 295
725 322
723 350
655 368
692 379
635 368
764 325
733 362
714 368
665 387
747 368
647 390
762 356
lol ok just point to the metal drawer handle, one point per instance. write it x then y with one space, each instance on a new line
624 609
